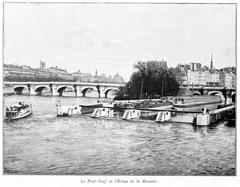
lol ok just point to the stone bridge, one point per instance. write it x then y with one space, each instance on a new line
228 94
57 88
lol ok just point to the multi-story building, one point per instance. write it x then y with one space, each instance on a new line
213 79
25 73
15 73
183 67
227 79
203 76
197 78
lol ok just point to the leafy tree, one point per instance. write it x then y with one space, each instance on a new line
151 80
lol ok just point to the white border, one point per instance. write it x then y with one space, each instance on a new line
60 181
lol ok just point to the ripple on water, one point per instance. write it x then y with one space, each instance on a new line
46 144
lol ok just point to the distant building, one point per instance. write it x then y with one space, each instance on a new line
196 78
227 79
214 79
201 78
82 77
183 67
88 77
42 66
57 70
205 68
67 77
26 73
61 73
14 72
195 66
118 79
229 70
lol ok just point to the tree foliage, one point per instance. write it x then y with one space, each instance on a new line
151 80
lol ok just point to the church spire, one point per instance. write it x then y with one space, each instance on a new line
211 65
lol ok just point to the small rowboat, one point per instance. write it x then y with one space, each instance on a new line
18 111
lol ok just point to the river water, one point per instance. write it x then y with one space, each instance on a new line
46 144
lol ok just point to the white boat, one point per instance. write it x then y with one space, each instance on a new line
68 110
18 111
163 116
103 112
131 114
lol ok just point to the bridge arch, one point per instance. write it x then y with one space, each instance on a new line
107 90
219 93
60 89
86 88
196 92
19 89
39 89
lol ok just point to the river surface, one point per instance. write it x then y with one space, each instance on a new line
46 144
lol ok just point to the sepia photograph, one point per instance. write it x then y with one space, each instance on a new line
119 89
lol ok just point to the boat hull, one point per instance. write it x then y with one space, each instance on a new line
20 116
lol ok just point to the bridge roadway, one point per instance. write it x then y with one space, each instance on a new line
57 88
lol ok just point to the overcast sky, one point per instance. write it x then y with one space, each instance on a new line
112 37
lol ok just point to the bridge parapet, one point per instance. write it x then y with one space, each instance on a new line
207 88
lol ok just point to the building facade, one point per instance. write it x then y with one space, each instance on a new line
25 73
57 70
88 77
227 79
196 75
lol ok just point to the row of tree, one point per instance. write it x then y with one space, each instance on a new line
151 80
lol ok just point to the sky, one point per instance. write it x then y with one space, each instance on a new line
113 37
